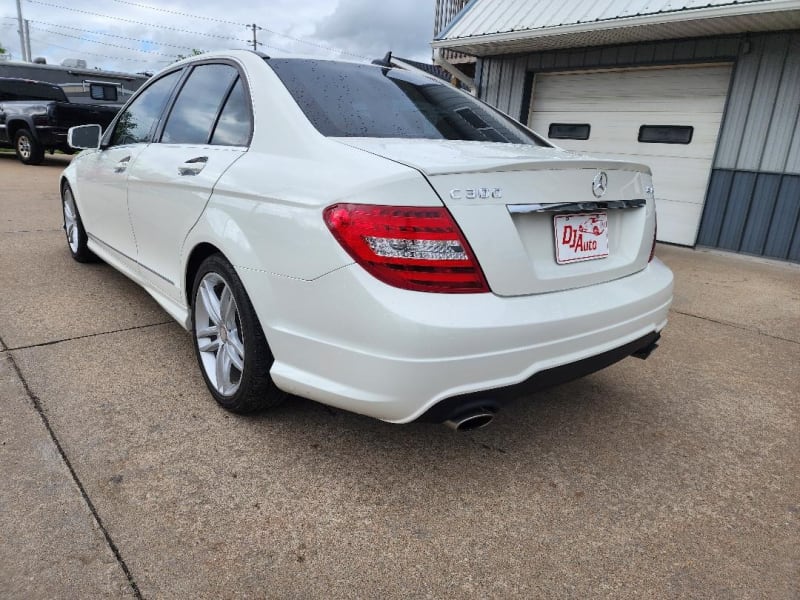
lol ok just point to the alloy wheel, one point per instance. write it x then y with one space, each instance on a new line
24 147
70 220
218 334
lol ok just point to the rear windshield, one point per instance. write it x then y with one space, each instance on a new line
21 89
355 100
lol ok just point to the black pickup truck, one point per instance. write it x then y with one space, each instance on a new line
35 117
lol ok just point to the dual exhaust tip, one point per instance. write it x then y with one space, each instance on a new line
469 420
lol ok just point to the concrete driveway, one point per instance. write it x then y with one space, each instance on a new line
678 476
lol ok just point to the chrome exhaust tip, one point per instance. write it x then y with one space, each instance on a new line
471 420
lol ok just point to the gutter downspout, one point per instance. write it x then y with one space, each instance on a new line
455 71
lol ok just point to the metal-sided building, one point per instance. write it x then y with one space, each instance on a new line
706 92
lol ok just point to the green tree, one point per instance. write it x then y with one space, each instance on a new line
194 52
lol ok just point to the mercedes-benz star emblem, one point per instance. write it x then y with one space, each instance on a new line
599 184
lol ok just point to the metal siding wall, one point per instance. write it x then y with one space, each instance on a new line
756 213
783 126
762 105
793 162
739 99
719 189
736 210
517 86
756 228
479 77
791 79
785 225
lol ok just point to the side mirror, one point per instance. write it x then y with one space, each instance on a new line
84 137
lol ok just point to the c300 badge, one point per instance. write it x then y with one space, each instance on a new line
476 193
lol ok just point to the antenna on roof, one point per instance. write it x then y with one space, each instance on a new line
386 61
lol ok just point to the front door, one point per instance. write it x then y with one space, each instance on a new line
103 197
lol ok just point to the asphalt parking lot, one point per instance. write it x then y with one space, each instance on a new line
678 476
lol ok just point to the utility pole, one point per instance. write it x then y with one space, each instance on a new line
22 45
28 40
254 27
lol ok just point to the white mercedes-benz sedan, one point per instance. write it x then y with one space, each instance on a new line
367 237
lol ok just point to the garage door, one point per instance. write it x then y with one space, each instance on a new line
667 118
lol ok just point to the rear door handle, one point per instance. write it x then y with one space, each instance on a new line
193 166
122 165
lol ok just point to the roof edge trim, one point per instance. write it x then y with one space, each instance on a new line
700 14
467 7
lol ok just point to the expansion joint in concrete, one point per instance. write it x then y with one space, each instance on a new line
89 335
735 326
37 405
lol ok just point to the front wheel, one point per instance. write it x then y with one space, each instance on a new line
229 343
28 148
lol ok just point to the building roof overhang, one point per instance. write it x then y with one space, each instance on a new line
486 36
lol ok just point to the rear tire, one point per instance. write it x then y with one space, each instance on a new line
28 148
229 343
77 240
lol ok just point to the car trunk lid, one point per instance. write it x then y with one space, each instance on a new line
532 214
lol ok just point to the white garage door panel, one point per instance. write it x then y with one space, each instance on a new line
615 103
706 86
622 130
680 219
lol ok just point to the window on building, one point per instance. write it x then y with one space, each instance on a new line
666 134
569 131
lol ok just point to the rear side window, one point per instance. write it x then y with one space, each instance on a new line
136 124
356 100
235 122
195 111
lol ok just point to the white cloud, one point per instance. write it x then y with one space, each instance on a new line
313 27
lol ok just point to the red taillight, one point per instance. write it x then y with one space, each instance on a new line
410 247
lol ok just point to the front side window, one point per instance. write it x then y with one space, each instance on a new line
195 111
136 124
356 100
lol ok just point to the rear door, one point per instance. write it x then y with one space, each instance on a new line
207 129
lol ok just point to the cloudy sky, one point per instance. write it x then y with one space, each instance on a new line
146 35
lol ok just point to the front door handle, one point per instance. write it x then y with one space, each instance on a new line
122 165
193 166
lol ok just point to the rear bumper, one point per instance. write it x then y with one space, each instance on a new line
494 399
350 341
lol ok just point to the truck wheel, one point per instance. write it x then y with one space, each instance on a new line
29 150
